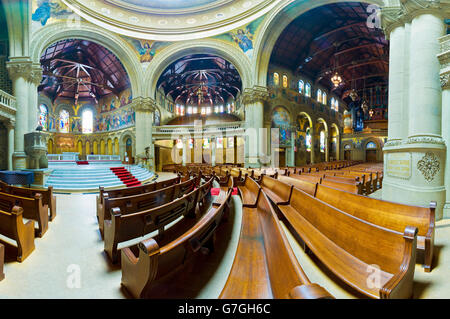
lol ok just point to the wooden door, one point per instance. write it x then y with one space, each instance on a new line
347 155
371 155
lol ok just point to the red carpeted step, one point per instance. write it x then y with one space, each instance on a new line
126 177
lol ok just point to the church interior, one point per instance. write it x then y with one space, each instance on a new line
224 149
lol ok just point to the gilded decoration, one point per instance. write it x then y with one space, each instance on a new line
429 166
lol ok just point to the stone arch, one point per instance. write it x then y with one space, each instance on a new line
337 155
205 46
44 37
123 144
275 23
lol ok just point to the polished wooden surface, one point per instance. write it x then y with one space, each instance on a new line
32 209
2 261
387 214
350 246
13 227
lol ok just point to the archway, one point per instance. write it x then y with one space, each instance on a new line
303 139
322 147
335 147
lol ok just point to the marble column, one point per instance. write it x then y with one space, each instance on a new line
254 99
19 70
291 160
444 59
414 163
185 151
213 151
144 108
34 81
313 141
10 127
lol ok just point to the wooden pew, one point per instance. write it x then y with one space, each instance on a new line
249 193
223 193
2 261
350 246
307 178
32 209
304 185
388 215
265 265
48 199
136 203
141 275
352 188
126 227
205 191
13 227
279 193
130 191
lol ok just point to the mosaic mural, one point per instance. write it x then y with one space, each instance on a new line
282 120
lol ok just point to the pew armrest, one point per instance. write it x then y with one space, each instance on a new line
401 284
309 291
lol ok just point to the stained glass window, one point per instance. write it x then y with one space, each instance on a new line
308 140
301 87
371 146
64 118
43 117
324 98
308 90
88 121
206 143
276 79
285 81
322 141
319 95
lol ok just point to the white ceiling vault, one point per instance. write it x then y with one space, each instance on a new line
174 20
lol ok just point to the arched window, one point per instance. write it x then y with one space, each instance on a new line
371 146
43 117
87 121
319 95
324 98
336 105
322 141
301 87
308 90
276 79
332 103
347 147
285 81
64 118
308 140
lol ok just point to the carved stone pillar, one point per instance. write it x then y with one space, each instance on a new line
144 108
19 71
10 127
35 79
444 59
414 164
253 100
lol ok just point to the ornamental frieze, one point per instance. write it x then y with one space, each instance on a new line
256 94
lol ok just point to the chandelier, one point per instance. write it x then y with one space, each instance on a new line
336 79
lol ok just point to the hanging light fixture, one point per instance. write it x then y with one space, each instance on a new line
336 79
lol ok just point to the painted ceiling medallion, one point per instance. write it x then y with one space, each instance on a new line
429 166
199 18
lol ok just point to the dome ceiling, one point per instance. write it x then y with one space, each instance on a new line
171 20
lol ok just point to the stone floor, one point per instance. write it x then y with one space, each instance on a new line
73 246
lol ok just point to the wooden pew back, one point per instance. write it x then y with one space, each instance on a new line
304 185
278 191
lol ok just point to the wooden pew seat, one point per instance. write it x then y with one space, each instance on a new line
13 227
264 266
141 275
249 193
387 214
32 209
279 193
349 247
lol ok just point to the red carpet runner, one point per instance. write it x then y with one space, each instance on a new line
126 177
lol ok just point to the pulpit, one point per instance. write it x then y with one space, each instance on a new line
36 150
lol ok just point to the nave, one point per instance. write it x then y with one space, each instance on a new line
74 239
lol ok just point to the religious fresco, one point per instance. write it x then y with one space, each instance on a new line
112 102
282 120
243 37
116 120
145 49
45 11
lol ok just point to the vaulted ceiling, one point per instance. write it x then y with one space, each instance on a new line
335 37
79 69
201 79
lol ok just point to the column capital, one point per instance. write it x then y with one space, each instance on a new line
255 94
391 18
412 8
141 104
36 73
444 59
19 67
11 124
